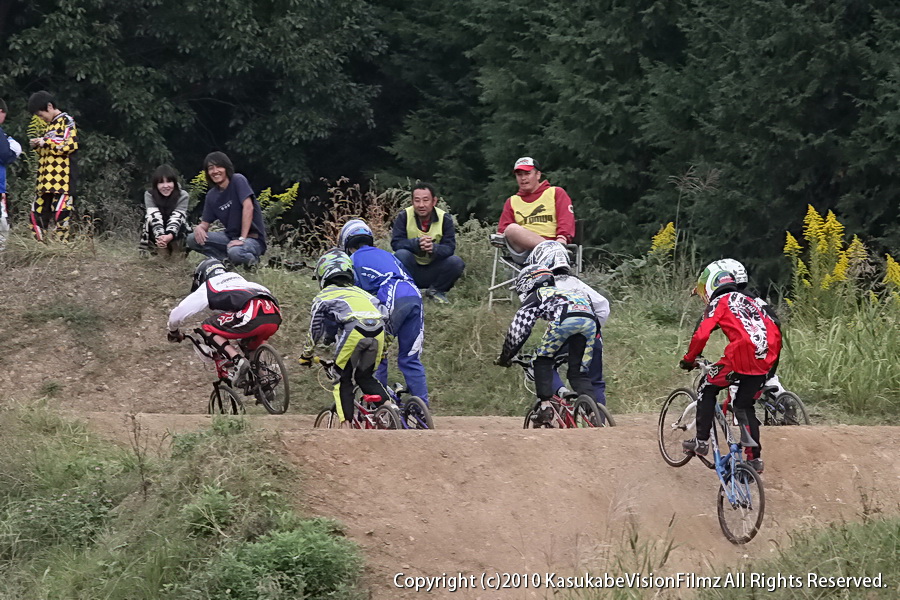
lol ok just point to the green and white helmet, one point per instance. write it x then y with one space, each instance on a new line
715 275
334 266
737 269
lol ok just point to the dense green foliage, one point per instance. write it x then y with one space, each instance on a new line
724 116
80 518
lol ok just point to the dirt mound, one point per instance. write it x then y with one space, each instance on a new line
480 495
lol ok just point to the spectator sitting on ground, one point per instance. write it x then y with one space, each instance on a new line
165 222
537 212
424 240
232 202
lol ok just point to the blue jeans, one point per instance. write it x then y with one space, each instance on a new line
407 323
438 274
595 373
216 246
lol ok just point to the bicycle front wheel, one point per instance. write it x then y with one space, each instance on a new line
327 419
225 401
789 410
272 388
741 504
677 422
387 417
416 414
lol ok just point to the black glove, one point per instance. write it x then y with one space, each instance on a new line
175 336
503 362
305 361
687 365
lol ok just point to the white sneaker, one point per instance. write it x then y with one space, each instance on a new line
240 371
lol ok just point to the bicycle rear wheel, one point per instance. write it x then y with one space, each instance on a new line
416 414
606 418
225 401
327 419
741 504
677 421
387 417
272 388
789 410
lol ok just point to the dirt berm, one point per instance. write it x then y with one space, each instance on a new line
480 495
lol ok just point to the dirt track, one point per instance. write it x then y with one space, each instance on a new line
479 494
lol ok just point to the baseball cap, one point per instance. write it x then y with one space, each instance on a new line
526 163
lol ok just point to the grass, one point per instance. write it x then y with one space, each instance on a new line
78 519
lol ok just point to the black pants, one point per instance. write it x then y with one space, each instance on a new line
743 402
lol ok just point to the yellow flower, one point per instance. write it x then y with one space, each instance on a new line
289 196
265 197
833 233
857 253
840 268
892 272
873 298
789 301
813 226
792 246
802 269
664 240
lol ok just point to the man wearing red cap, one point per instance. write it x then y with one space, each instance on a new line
537 212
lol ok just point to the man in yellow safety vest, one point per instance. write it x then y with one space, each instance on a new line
537 212
424 241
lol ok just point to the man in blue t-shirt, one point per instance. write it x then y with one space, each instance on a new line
230 201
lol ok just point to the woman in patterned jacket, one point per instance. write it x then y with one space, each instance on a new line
165 223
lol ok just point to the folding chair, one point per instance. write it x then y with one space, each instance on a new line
508 263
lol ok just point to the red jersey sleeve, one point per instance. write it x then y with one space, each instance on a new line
707 325
506 217
565 215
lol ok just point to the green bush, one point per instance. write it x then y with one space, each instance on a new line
307 561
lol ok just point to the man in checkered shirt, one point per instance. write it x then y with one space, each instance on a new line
54 197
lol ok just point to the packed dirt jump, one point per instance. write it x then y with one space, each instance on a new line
479 495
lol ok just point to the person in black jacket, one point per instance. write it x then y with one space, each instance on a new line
424 241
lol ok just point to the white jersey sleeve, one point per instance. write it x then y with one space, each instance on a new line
194 303
599 304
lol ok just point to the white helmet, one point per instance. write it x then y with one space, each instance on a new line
551 254
715 275
737 269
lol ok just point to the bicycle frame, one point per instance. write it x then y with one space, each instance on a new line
363 412
723 464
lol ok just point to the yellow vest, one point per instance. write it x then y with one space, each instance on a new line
538 216
435 231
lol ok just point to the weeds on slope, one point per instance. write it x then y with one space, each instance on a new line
82 519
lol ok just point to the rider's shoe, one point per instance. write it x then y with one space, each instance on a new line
542 416
440 298
696 446
757 464
240 372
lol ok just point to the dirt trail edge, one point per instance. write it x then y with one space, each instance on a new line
480 495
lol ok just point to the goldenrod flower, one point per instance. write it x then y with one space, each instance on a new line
802 269
857 253
813 226
873 298
265 197
839 273
892 272
832 233
664 240
792 246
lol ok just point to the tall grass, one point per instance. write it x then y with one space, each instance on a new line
81 519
